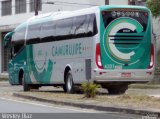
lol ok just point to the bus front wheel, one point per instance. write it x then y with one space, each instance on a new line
26 87
69 85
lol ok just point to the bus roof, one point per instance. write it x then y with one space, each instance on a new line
22 25
123 6
67 14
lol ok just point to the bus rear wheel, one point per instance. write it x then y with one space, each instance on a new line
69 85
26 87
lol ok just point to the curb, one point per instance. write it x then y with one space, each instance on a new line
92 106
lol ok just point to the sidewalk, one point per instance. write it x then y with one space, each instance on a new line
91 105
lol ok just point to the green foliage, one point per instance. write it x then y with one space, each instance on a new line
90 89
154 6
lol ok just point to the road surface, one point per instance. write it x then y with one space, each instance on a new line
47 111
39 110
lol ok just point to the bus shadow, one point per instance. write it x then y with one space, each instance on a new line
61 91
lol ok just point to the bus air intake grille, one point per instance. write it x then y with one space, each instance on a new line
126 39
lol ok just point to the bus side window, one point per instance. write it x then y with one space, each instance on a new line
33 35
11 52
95 30
19 36
64 29
17 48
48 31
18 40
92 26
80 26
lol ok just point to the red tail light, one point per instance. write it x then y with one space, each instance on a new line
152 57
98 56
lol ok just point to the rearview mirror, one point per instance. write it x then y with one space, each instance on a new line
7 39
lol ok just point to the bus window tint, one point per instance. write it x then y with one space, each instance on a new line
33 33
92 26
95 30
18 39
64 28
19 35
48 31
80 26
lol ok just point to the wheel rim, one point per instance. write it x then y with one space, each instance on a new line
69 83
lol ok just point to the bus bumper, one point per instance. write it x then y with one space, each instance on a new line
123 76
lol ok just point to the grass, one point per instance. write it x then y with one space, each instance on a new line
126 100
154 84
3 79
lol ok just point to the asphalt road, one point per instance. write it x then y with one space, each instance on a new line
39 110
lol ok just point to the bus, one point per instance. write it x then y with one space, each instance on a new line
108 45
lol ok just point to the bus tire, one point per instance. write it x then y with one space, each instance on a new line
26 87
69 85
64 88
121 89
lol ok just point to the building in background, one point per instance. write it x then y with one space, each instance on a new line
14 12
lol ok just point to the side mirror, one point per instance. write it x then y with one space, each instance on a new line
7 39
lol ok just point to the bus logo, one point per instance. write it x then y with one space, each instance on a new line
127 26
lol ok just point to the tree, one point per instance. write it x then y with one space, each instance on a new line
154 6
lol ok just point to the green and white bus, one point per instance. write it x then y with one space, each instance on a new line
108 45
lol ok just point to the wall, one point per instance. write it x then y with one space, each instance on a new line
64 5
118 2
156 30
0 54
15 18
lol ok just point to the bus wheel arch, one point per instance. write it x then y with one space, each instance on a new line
68 81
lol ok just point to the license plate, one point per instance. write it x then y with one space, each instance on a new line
126 74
